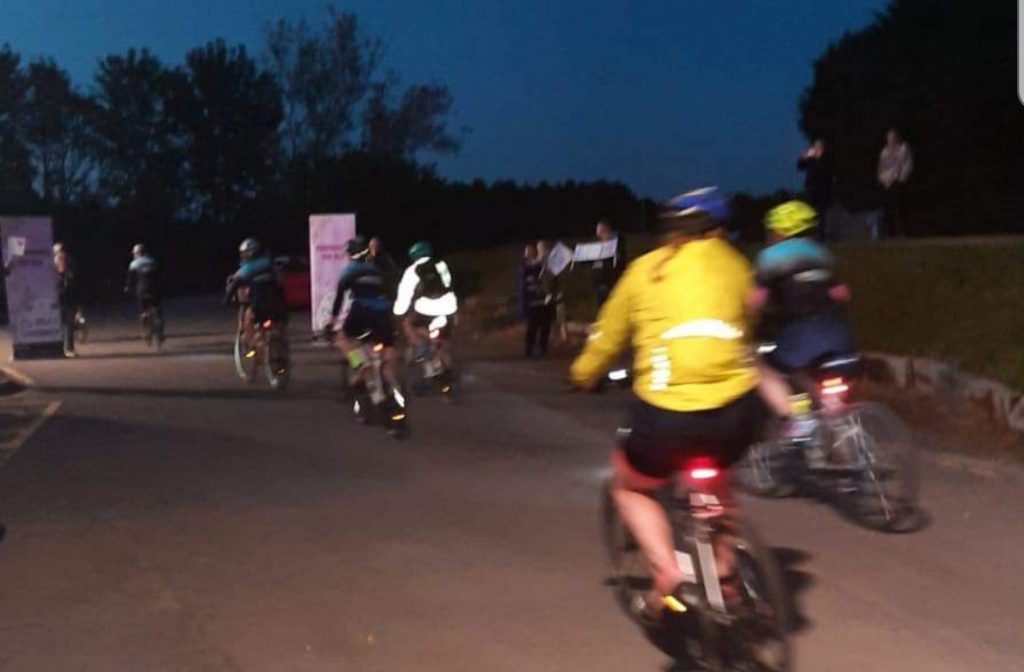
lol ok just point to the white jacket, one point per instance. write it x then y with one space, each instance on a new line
444 306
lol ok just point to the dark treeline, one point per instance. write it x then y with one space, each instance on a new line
943 72
192 158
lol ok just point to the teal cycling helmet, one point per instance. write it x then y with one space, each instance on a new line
421 250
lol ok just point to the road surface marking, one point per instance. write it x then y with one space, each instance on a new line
17 376
21 435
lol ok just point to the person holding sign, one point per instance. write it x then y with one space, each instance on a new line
606 270
537 298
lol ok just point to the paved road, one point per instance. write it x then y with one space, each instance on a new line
168 518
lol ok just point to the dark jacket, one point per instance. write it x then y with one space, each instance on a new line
606 272
818 177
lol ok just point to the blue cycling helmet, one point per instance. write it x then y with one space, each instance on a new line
696 211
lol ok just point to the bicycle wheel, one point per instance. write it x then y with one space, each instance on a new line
770 467
757 638
245 358
880 487
276 366
631 575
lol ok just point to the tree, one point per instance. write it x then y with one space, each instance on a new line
138 143
15 166
324 75
416 122
942 71
56 132
229 111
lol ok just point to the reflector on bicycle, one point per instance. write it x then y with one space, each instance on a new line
267 324
378 347
834 386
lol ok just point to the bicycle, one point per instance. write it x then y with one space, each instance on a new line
152 323
373 399
433 372
860 455
268 350
745 628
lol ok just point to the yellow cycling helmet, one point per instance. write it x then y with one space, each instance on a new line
791 218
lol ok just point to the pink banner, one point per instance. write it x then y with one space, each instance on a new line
328 235
31 281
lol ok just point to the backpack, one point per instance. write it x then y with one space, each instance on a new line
431 283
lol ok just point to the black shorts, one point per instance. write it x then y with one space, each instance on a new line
661 443
369 323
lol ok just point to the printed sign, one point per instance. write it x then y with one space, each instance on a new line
328 235
15 248
31 283
596 251
559 258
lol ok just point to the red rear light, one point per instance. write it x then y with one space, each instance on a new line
703 473
834 386
268 324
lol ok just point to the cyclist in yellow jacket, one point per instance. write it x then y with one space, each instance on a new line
682 309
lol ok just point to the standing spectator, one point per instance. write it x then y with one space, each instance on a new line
554 288
816 163
895 165
606 272
67 295
535 302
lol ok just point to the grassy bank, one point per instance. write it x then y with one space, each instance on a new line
956 300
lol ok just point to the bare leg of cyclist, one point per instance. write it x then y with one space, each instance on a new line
647 521
774 389
248 329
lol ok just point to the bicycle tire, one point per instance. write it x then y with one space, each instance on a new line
883 492
245 366
764 608
768 469
276 364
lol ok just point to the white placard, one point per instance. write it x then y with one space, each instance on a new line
596 251
559 258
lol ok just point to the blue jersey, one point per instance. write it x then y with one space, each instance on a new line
367 285
799 274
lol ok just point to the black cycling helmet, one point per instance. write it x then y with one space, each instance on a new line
249 249
357 247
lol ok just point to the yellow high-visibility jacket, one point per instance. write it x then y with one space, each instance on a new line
684 312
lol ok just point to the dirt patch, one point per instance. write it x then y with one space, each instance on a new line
949 426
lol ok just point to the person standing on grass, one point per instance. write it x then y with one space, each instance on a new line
816 163
606 272
534 302
895 165
553 286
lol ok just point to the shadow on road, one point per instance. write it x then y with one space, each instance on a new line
796 582
224 350
254 393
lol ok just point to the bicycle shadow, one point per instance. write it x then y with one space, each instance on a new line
679 641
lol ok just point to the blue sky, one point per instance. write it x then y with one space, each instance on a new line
661 94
